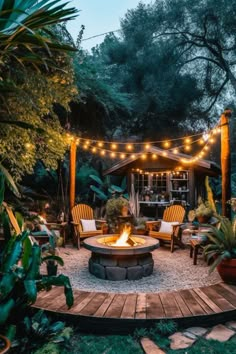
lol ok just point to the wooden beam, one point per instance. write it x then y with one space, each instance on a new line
225 162
72 173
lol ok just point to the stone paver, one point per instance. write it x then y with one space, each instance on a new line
150 347
220 333
197 331
179 341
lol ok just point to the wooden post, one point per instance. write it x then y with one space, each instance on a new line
225 163
72 173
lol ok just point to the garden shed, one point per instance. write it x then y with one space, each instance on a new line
161 175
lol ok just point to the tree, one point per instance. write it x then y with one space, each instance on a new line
204 31
36 72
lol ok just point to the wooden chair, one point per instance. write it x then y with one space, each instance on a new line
175 214
84 212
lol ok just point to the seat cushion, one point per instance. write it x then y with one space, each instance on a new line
167 227
88 225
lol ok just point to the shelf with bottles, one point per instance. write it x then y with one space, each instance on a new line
179 190
179 176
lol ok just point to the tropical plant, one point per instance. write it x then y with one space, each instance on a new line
221 242
20 276
50 255
38 329
106 189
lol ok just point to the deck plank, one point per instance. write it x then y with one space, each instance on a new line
78 297
170 305
192 303
94 304
154 306
129 306
218 299
141 306
84 300
104 306
208 301
186 312
116 306
228 295
201 302
46 298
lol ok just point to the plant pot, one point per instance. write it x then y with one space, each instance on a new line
202 219
227 270
52 269
5 344
124 210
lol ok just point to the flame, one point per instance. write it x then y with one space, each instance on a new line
122 240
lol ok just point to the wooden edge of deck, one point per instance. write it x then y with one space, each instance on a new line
123 312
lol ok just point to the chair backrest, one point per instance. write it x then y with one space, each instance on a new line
82 211
174 213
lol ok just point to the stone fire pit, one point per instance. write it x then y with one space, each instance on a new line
119 263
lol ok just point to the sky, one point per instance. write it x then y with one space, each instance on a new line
99 16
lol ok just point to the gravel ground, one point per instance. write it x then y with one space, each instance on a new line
172 271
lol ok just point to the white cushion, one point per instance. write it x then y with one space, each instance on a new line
88 225
167 227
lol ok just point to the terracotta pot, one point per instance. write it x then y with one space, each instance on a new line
202 219
227 270
6 344
124 210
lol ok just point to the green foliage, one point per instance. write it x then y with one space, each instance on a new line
37 329
222 242
165 327
113 210
106 189
20 281
29 89
204 208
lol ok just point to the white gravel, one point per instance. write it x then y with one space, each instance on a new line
172 271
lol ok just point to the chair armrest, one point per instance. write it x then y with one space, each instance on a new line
150 224
75 223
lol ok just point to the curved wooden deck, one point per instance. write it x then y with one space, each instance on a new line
119 313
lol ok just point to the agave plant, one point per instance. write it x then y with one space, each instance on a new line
222 243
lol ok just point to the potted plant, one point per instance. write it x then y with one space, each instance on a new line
50 255
204 211
221 248
116 207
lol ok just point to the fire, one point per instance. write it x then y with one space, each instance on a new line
124 237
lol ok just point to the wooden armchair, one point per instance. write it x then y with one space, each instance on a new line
81 213
169 232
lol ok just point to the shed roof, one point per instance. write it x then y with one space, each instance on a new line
209 167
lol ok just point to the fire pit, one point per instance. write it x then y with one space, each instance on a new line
119 257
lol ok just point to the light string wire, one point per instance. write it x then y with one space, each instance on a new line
100 146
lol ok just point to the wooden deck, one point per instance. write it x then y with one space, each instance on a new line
120 313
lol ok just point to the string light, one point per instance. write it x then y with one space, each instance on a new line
139 148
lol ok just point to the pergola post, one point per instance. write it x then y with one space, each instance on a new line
72 173
225 163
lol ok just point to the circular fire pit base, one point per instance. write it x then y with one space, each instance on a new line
121 267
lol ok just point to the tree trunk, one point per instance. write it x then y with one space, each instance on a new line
72 173
225 163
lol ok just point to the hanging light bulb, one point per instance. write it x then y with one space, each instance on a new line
114 146
100 144
147 146
154 156
166 144
129 147
205 136
187 141
103 152
164 153
94 149
187 148
122 156
113 154
143 156
133 156
175 151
